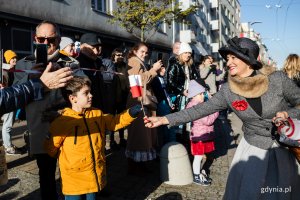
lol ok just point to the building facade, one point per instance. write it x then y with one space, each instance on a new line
18 20
214 22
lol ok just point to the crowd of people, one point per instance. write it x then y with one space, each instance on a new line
90 95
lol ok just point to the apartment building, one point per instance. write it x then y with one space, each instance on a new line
214 22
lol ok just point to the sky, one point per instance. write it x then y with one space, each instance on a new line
279 27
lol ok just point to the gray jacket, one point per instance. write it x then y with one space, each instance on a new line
277 92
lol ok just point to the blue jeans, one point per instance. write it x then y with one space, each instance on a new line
89 196
8 121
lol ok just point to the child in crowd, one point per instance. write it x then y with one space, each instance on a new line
77 138
202 133
164 107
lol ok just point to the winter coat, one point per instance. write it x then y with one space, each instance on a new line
176 78
122 86
203 128
211 77
79 142
17 96
103 87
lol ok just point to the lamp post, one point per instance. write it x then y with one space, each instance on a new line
249 26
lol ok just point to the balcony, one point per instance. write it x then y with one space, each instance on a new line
187 36
215 47
214 3
185 4
214 25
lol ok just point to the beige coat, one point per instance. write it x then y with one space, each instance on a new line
140 138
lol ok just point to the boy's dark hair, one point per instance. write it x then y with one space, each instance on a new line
73 86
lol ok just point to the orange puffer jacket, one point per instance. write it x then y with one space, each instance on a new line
79 142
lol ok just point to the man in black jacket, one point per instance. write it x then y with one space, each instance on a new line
89 58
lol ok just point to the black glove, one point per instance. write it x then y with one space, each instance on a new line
135 110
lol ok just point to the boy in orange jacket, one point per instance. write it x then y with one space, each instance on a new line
77 138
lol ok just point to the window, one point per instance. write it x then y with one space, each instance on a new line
101 5
162 27
21 40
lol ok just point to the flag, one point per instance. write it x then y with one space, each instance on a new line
135 82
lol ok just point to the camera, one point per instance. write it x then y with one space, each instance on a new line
213 67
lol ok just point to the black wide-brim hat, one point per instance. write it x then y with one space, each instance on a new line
243 48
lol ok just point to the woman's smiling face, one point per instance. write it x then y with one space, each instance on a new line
238 67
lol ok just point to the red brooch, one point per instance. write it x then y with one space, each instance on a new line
240 105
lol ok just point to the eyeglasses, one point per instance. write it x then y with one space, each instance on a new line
119 55
49 39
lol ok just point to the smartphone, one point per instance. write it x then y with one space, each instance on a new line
41 54
159 56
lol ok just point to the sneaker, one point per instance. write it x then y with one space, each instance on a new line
203 172
12 150
200 179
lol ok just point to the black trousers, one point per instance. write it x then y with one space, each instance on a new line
47 167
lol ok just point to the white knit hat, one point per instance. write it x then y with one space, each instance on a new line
184 47
64 42
194 89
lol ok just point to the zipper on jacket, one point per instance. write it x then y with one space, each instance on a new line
76 132
93 153
98 128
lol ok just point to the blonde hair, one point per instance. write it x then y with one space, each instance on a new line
292 66
180 60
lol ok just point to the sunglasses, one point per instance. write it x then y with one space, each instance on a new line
49 39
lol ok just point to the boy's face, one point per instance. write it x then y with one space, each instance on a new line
83 99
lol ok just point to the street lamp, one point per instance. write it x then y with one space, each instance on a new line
249 26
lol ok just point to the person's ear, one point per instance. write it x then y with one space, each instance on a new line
72 99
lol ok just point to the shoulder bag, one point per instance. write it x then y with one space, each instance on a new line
288 134
149 101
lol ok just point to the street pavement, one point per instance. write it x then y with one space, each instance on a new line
23 172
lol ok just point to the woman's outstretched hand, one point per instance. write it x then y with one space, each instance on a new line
152 122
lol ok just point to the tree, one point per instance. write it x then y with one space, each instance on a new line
141 17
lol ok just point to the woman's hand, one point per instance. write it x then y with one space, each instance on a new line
152 122
56 79
157 65
283 114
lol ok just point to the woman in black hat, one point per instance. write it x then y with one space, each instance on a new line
257 95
